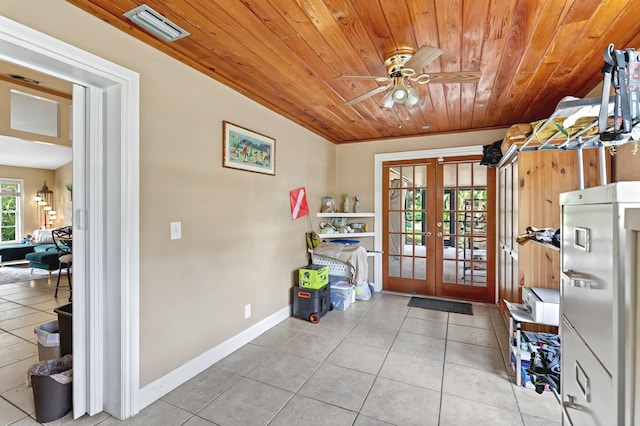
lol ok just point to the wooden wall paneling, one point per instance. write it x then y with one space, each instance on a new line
537 180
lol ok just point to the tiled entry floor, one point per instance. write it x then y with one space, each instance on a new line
377 363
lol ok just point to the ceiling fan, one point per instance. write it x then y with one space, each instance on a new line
402 72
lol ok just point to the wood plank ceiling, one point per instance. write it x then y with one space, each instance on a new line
287 55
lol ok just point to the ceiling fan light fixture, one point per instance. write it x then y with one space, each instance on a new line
412 98
400 93
388 101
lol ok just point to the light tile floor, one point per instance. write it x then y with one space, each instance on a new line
377 363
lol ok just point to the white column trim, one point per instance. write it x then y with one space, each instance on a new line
378 159
29 48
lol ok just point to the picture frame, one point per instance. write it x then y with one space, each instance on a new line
244 149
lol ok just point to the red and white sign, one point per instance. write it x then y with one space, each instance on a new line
299 206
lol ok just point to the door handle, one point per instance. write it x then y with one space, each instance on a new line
429 234
439 234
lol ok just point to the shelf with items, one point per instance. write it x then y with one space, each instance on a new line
518 315
348 235
346 214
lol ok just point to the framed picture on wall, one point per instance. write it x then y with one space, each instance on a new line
245 149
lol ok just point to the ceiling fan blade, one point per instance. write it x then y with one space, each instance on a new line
452 77
368 94
422 57
363 77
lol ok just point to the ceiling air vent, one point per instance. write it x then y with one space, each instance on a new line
156 23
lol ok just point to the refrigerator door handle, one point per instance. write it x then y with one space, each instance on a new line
575 279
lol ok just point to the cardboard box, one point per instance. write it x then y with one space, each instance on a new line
313 276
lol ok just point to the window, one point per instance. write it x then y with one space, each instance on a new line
11 221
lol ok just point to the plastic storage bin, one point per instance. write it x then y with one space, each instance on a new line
52 388
65 325
342 295
48 337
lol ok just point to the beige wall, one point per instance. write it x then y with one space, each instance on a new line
62 196
355 167
239 244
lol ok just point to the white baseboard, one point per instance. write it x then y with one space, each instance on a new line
165 384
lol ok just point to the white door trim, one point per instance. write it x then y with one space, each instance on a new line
378 159
108 300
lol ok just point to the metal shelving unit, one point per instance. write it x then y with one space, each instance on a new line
563 140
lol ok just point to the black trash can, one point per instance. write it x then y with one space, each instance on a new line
52 388
65 326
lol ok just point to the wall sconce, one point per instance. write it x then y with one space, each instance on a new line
44 205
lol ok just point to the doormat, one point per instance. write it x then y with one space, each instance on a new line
441 305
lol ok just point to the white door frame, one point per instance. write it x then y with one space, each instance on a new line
106 215
378 160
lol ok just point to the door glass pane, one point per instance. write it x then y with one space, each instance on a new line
420 268
479 175
394 266
449 175
407 267
394 244
420 176
449 271
407 175
464 175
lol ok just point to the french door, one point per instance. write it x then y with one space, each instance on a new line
438 228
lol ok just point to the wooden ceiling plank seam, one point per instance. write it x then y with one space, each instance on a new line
354 28
372 16
270 49
324 54
497 23
564 75
490 49
449 21
527 79
399 21
518 37
423 16
473 17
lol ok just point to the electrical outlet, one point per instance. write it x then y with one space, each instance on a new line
247 311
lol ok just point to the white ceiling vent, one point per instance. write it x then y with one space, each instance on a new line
156 23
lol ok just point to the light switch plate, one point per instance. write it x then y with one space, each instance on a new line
176 230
